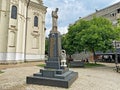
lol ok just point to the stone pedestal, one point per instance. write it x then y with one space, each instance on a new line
53 61
53 73
59 78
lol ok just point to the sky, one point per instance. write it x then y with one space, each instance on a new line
71 10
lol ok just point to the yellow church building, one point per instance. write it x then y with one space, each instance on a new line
22 30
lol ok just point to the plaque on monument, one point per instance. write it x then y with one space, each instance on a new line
55 73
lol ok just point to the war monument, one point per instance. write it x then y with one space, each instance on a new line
55 73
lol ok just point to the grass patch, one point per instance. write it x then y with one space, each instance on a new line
41 65
1 72
88 65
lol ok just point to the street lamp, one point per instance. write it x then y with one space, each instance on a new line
28 2
116 56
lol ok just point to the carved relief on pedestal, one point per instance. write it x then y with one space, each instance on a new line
52 42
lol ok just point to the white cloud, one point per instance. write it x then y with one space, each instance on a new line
48 17
63 30
114 1
47 32
71 10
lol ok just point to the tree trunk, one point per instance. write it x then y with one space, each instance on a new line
69 58
94 56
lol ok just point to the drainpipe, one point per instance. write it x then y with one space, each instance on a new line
28 2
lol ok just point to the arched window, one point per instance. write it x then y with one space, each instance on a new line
14 12
36 21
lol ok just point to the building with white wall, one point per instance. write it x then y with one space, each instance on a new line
111 12
22 30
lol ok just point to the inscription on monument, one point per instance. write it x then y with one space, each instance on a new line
52 40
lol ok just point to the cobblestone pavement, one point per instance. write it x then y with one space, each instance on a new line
4 66
99 78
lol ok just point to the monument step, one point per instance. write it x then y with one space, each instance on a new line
65 83
56 71
61 71
37 74
63 76
53 73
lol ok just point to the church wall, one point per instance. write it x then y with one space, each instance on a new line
12 32
43 36
0 4
35 35
4 15
21 31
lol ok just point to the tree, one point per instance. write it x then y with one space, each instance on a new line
70 42
67 47
96 34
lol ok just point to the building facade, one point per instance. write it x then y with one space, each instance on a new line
111 12
22 30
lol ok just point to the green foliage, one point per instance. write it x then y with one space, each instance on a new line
96 34
117 33
1 71
67 45
41 65
89 65
70 42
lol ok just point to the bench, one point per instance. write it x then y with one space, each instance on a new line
76 64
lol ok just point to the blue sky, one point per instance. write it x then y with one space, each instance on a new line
71 10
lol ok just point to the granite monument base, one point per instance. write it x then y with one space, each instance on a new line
52 77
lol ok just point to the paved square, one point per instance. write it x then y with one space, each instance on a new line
99 78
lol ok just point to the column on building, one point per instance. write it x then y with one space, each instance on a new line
4 19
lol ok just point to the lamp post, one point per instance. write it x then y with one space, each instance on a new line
28 2
116 58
